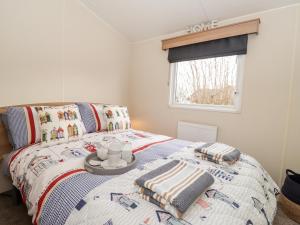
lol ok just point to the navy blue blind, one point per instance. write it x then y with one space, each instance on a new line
236 45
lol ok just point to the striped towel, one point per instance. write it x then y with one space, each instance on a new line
218 153
174 186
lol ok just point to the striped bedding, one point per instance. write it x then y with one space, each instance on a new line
175 185
57 190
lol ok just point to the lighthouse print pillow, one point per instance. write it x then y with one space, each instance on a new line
60 124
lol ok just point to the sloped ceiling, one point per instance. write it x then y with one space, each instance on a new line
143 19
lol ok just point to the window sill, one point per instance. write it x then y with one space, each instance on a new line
207 108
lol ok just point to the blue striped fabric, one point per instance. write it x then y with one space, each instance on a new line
5 123
18 126
72 190
87 117
64 198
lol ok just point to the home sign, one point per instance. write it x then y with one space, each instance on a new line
202 26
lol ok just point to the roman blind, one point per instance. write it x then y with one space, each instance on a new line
236 45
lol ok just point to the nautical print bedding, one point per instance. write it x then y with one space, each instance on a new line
57 189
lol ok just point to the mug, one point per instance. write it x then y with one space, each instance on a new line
126 152
102 151
113 158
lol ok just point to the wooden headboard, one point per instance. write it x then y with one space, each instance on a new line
5 146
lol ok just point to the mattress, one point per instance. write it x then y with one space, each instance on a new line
58 190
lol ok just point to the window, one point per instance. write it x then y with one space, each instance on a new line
211 84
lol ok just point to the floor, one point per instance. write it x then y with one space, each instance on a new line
11 214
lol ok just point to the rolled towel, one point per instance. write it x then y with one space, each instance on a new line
218 153
175 185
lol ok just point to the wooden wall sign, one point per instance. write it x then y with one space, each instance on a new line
246 27
202 26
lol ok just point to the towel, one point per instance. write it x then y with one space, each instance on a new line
174 186
218 153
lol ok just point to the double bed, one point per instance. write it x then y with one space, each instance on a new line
58 190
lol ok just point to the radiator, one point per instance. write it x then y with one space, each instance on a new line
196 132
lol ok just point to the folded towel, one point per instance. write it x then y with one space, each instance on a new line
177 184
218 153
152 197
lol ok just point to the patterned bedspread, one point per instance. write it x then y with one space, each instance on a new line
57 189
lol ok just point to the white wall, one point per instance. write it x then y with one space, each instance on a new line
292 148
59 50
30 55
96 58
261 126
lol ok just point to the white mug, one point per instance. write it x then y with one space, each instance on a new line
102 152
127 152
113 158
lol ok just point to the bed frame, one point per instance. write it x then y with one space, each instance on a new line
5 146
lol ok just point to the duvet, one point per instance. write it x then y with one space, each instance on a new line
58 190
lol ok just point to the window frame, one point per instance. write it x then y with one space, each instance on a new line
236 108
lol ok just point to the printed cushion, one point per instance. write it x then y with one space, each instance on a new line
117 118
60 124
24 127
92 116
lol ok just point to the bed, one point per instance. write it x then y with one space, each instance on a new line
58 190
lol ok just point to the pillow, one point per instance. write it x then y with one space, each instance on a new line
5 124
117 118
92 116
23 125
60 124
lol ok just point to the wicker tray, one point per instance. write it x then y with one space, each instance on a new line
99 170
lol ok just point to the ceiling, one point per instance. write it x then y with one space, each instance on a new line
143 19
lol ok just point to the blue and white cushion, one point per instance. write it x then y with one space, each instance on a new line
92 116
23 125
5 123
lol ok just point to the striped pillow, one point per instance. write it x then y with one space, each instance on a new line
92 116
5 123
24 126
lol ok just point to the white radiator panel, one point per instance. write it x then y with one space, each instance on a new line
196 132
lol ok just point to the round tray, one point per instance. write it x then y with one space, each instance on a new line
99 170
